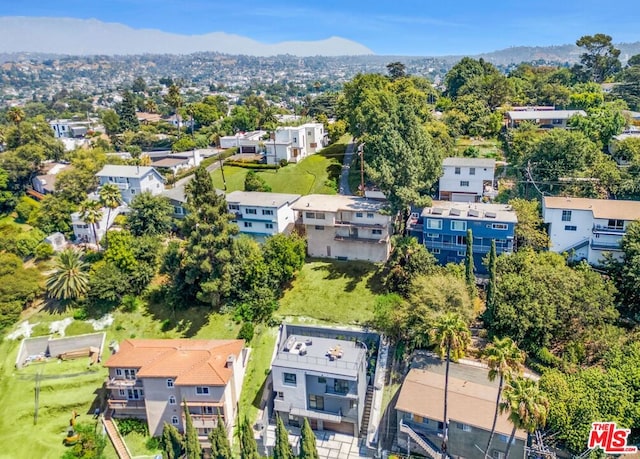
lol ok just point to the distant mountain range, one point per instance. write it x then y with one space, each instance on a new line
93 37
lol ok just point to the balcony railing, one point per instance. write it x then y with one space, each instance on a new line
120 383
349 393
477 248
359 224
121 404
608 229
121 185
613 246
382 240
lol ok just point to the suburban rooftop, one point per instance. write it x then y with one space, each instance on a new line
544 114
466 162
601 208
260 199
111 170
471 211
335 203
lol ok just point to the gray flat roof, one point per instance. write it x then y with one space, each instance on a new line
335 203
469 162
544 114
317 355
259 199
111 170
471 211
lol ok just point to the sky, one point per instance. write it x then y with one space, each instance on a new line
387 27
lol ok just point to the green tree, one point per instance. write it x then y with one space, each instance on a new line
220 447
600 59
284 255
308 448
54 214
91 213
192 448
469 277
139 85
465 71
253 182
452 337
127 113
174 100
69 280
526 405
282 448
111 122
150 215
505 361
171 442
19 286
110 198
90 445
408 260
530 230
396 70
492 284
626 273
15 115
248 445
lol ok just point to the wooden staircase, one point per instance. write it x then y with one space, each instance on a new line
114 435
368 400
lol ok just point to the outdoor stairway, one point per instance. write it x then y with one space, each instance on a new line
114 436
421 442
368 400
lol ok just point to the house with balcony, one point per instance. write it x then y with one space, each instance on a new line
132 180
442 228
345 227
150 378
86 233
246 142
294 143
586 229
543 118
262 214
467 179
471 406
322 374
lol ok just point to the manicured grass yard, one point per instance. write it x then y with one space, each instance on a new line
337 292
315 174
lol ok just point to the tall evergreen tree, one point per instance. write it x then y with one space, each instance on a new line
192 448
491 286
207 262
248 445
282 448
171 442
468 263
220 447
127 113
308 448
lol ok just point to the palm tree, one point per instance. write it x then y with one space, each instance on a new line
15 115
452 337
150 106
70 279
91 213
504 360
110 197
527 406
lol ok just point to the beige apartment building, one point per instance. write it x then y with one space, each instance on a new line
345 227
150 378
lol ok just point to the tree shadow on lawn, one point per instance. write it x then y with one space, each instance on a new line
188 321
353 271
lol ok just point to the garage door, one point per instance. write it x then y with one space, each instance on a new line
342 427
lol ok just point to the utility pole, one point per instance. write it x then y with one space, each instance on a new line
224 182
361 154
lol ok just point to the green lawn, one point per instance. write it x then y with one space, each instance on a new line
338 292
488 148
315 174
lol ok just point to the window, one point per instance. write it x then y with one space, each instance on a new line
615 224
250 211
472 171
202 390
457 225
169 382
341 386
310 214
464 182
433 235
570 228
566 215
133 191
370 215
130 373
319 216
376 231
118 371
434 223
499 226
267 212
281 395
172 400
322 380
290 378
248 224
234 207
359 214
462 253
435 251
174 420
268 225
207 410
319 227
463 427
316 402
122 392
457 171
177 210
135 394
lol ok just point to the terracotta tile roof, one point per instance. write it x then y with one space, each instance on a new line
469 403
601 208
188 361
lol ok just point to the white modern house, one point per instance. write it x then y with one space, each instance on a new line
294 143
345 227
65 128
467 179
84 232
262 214
588 228
132 180
245 142
543 118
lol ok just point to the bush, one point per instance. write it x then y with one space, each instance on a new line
283 162
25 207
251 165
130 303
128 425
80 314
152 444
44 251
246 332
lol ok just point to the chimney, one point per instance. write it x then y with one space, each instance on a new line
230 361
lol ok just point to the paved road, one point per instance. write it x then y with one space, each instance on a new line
183 181
346 165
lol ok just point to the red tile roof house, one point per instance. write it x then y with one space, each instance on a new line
150 378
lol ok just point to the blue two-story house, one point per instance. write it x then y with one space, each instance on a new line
442 228
132 180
